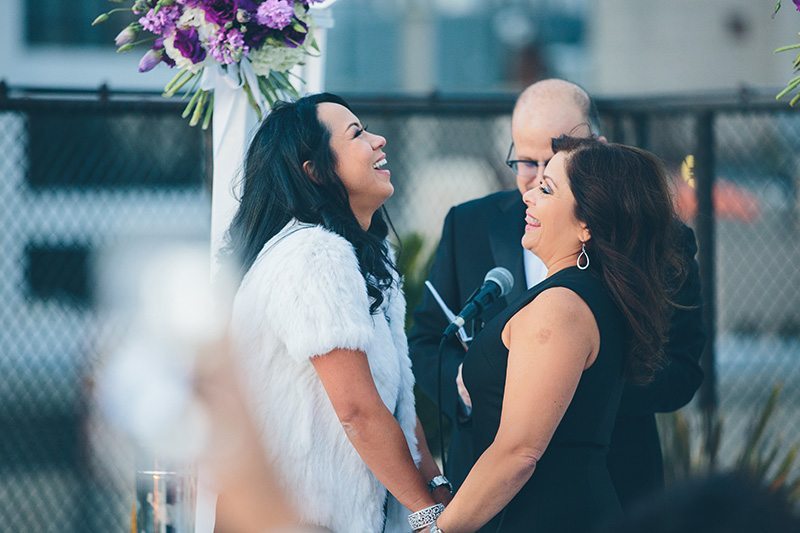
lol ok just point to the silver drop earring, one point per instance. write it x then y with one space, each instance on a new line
584 255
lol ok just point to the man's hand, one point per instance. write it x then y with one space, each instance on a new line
462 390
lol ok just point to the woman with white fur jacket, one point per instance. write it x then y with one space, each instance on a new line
318 323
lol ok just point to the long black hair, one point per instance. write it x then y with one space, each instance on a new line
622 195
276 189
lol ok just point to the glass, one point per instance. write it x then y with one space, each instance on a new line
165 501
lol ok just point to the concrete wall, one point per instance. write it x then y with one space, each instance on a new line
655 47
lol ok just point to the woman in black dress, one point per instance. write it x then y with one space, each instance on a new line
545 376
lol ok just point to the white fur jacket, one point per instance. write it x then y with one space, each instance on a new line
303 297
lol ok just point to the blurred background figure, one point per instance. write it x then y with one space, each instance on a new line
170 388
730 502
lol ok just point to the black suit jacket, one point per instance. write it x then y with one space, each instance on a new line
485 233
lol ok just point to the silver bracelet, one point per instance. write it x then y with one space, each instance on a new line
425 517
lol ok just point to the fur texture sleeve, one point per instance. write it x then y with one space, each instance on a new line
315 295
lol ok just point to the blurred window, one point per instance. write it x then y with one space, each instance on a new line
93 149
68 22
58 273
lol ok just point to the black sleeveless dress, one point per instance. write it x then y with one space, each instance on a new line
570 489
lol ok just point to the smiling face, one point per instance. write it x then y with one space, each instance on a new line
360 161
551 230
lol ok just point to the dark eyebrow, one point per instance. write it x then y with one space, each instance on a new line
356 124
548 178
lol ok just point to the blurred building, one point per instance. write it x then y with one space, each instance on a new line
51 43
376 46
653 47
613 47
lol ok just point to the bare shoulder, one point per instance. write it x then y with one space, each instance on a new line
556 303
557 312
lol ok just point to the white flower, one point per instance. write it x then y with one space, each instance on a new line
177 57
278 58
197 17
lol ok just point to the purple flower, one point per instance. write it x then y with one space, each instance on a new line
256 34
276 14
292 37
220 12
150 60
228 47
187 42
126 36
247 5
797 4
161 22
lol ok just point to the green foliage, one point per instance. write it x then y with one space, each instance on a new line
763 455
793 85
414 265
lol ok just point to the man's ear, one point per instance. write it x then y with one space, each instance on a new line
308 168
602 139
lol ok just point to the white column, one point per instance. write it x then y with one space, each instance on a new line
418 58
234 123
314 69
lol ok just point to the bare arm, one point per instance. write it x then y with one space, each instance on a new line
551 342
428 466
370 426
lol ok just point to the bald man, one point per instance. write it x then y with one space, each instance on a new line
484 233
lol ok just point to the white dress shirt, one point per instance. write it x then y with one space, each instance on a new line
535 271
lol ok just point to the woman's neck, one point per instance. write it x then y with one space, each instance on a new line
364 221
561 264
363 216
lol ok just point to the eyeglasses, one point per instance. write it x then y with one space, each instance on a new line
528 168
523 167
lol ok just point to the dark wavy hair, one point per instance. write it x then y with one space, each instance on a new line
276 188
623 196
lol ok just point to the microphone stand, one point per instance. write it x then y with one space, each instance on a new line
476 327
442 344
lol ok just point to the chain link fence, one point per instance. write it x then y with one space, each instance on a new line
749 151
76 174
81 171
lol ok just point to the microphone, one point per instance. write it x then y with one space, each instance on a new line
497 283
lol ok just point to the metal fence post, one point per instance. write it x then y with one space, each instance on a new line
641 128
617 129
705 175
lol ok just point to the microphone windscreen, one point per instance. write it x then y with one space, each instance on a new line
503 278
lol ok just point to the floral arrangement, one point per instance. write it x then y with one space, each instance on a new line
792 85
251 43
